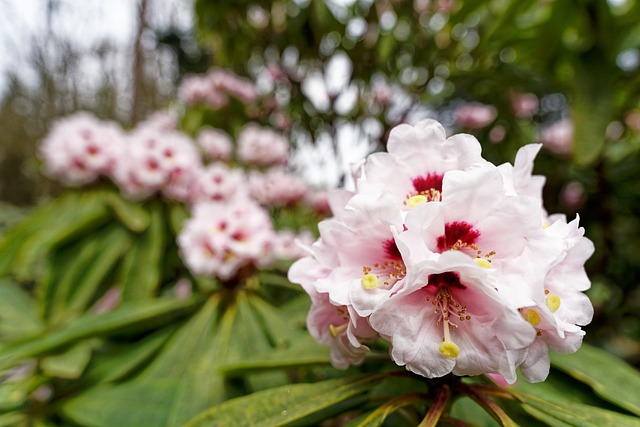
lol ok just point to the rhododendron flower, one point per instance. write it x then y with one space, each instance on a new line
277 187
215 144
558 137
221 238
417 159
219 183
157 160
262 146
449 258
80 148
475 115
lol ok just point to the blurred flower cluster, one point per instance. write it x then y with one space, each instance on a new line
452 260
231 186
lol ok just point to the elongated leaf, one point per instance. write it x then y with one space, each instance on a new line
85 272
611 378
69 364
274 324
18 314
377 417
72 222
131 215
283 405
252 339
15 236
180 383
142 268
120 360
130 318
304 352
577 414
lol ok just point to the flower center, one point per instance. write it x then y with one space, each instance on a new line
388 272
457 235
447 309
428 188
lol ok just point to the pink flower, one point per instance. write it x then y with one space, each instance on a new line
228 83
157 160
417 159
466 277
277 187
475 115
262 147
80 148
215 144
336 326
524 105
221 238
558 137
218 183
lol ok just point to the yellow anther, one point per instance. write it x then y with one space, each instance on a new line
484 263
417 200
449 349
553 302
533 317
546 224
369 281
336 330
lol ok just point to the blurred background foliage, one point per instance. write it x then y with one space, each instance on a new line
342 74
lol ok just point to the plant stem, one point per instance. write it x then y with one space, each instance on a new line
437 407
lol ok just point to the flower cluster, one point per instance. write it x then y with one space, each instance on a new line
80 149
215 88
449 258
234 191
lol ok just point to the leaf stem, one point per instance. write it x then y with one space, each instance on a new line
437 407
489 405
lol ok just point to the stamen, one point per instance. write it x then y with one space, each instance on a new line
482 262
449 349
553 302
336 330
546 224
369 281
533 317
416 200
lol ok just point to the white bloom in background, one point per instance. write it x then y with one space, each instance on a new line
277 187
80 148
558 137
475 115
219 183
157 160
221 238
262 146
215 144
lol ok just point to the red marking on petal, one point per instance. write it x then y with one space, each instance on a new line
448 279
428 182
457 234
391 249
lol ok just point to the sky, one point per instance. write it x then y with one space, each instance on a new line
83 22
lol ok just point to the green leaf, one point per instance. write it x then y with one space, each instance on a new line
576 414
131 215
305 352
18 314
142 268
467 409
61 227
180 383
377 417
70 364
283 405
127 318
82 278
274 323
610 377
116 361
13 419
